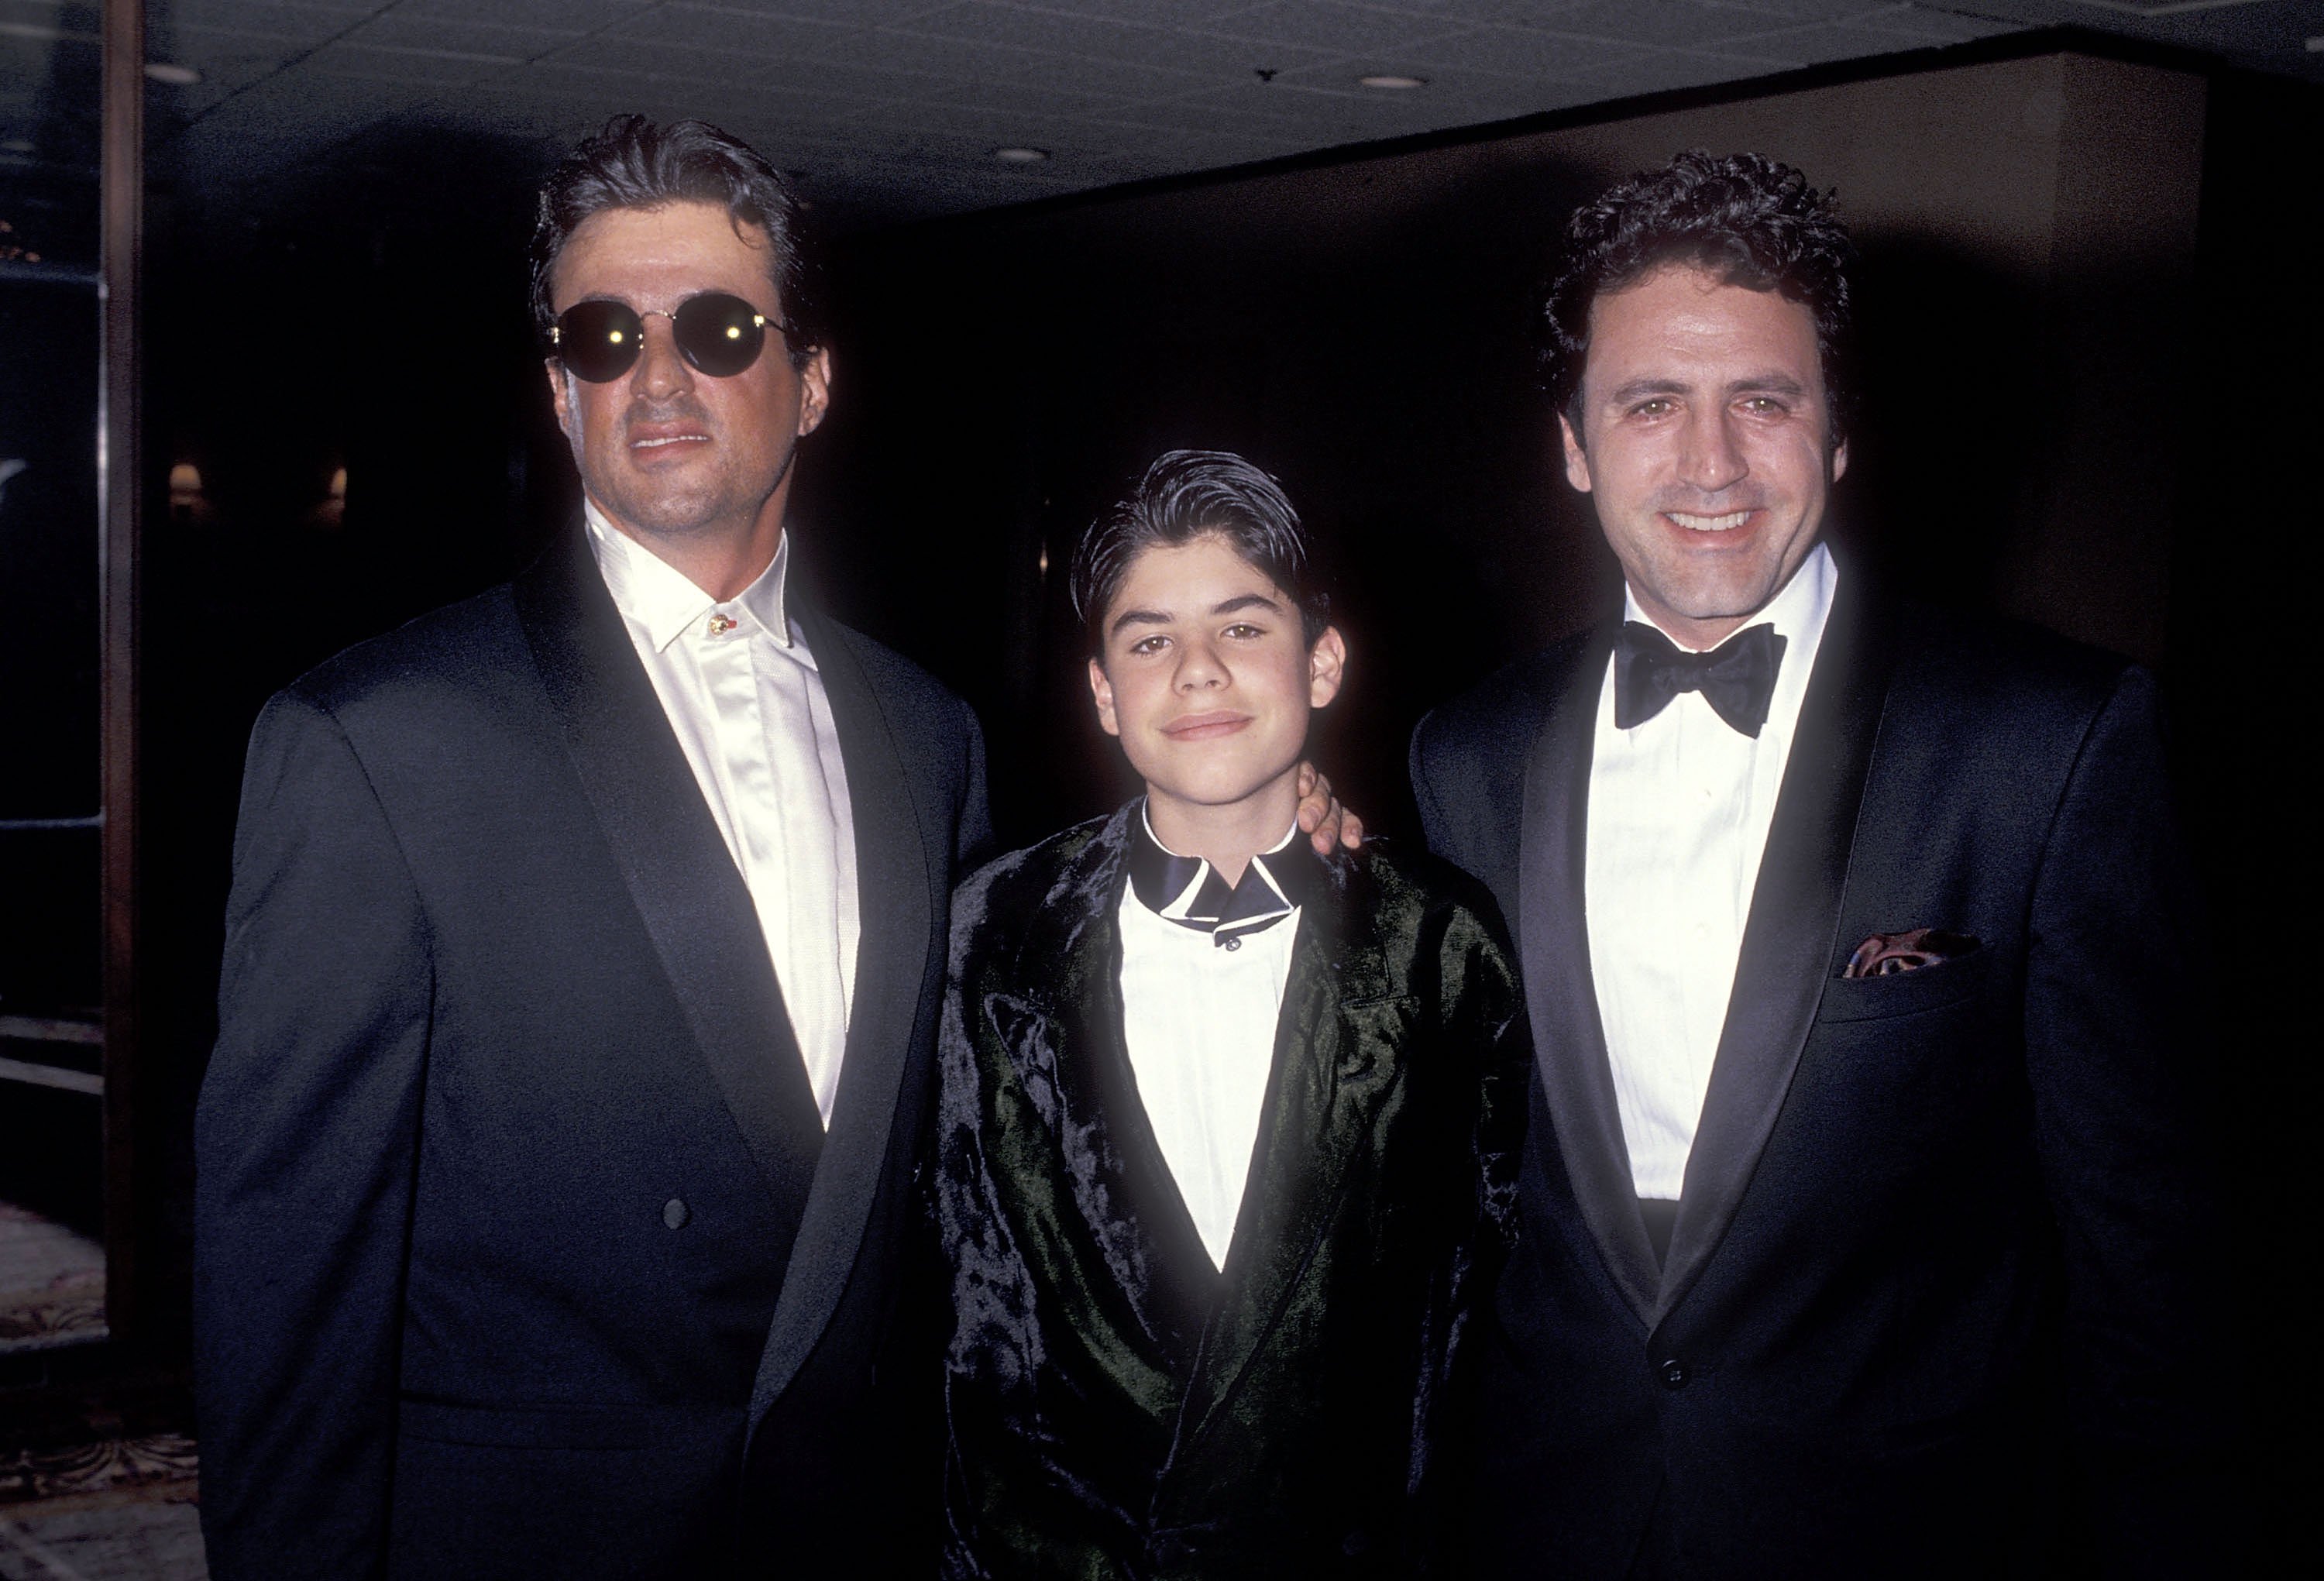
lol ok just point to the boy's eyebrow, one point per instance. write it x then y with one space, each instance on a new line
1246 602
1140 617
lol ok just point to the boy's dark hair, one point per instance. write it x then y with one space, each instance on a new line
1188 494
1743 218
634 163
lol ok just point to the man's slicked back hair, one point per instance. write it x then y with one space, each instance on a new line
634 163
1187 494
1742 218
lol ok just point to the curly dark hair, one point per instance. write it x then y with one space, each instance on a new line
1743 217
634 163
1186 495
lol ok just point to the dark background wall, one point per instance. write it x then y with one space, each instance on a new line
1363 328
2090 344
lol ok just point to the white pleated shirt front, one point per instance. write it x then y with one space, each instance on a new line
1677 823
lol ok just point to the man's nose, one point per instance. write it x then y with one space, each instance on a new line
1712 458
660 371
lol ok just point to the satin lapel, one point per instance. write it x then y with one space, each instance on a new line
676 864
1790 938
903 874
1569 1041
1333 1064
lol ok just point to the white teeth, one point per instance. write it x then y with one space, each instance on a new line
1726 523
657 444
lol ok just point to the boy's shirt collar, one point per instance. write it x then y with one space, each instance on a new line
1190 892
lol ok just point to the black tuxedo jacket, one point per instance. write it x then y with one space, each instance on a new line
1934 1257
1118 1407
521 1250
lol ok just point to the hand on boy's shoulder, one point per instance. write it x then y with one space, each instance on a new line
1329 825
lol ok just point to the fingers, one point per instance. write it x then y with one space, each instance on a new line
1326 823
1328 831
1315 803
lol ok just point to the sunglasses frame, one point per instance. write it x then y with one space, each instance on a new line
760 322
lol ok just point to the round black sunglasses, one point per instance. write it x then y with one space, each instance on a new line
717 334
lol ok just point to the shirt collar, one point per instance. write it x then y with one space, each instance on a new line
1797 611
1190 892
661 601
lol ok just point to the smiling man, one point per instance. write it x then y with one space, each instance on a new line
582 972
1858 1220
1226 1129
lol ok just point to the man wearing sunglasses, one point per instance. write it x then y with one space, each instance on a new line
581 977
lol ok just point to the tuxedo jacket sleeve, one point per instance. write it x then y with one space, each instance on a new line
2114 1053
314 1097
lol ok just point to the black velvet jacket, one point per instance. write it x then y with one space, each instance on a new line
1118 1407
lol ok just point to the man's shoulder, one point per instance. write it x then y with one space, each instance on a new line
1979 671
1491 717
466 647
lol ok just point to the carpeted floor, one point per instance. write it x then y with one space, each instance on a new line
51 1282
99 1487
140 1536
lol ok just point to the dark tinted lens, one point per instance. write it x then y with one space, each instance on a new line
719 335
599 340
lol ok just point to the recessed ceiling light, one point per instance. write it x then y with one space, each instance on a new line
1020 156
170 72
1390 79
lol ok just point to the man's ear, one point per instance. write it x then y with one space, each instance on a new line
815 397
1839 461
1577 460
1327 665
1101 690
557 396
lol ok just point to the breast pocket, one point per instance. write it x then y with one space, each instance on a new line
1907 993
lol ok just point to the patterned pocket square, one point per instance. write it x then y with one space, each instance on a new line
1885 954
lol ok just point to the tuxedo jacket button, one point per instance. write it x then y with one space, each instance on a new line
674 1213
1672 1375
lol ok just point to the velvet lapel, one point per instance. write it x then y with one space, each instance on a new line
903 867
1577 1077
1334 1065
1126 1199
1789 941
687 887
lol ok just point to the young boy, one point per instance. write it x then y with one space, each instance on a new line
1227 1129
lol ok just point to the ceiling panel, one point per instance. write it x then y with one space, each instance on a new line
896 107
394 29
725 28
1141 45
1526 52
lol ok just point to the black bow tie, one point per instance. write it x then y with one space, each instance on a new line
1270 887
1737 679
